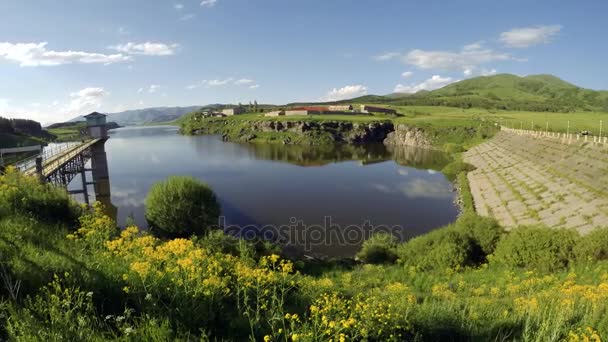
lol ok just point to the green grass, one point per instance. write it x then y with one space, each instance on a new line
68 131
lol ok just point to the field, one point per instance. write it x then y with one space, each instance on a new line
521 180
68 132
437 116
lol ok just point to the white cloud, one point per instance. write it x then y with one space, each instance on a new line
187 17
469 57
347 92
215 83
469 72
243 81
208 3
432 83
140 90
178 7
36 54
153 88
528 36
196 85
147 49
224 82
407 74
388 56
486 72
80 102
85 100
421 188
474 46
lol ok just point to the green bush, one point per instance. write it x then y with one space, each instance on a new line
181 207
452 148
452 170
439 249
379 249
217 241
25 195
593 246
541 248
485 232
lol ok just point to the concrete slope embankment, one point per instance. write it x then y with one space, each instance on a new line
526 180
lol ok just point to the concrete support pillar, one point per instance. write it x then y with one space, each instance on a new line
39 169
85 189
101 178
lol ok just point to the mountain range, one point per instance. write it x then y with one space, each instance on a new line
147 115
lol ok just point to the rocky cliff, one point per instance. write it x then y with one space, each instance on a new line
408 136
314 132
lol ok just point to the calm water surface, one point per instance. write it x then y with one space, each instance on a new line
322 194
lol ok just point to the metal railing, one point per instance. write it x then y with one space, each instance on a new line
47 153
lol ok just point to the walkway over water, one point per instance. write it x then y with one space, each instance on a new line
54 159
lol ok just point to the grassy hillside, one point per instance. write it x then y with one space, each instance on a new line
540 93
545 93
18 140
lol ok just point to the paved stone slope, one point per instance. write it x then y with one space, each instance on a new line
522 180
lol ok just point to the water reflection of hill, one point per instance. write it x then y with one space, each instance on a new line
310 156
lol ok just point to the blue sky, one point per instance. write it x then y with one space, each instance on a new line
59 59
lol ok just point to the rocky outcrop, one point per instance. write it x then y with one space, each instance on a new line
404 135
339 131
300 132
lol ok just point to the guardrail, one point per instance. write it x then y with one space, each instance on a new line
564 137
47 153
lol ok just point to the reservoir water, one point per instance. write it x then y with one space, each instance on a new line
317 200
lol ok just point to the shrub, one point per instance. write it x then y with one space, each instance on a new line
219 242
541 248
439 249
25 195
379 249
452 148
485 232
593 246
181 207
452 170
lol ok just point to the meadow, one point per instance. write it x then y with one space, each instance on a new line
68 273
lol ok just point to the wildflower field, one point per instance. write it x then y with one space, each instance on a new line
90 281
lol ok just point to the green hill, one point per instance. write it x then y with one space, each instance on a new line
510 92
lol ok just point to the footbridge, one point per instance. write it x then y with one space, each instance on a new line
61 163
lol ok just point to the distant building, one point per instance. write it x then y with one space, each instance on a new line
370 109
299 112
233 111
340 108
275 113
314 109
